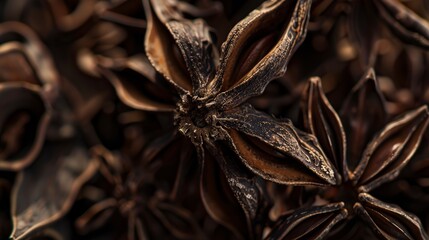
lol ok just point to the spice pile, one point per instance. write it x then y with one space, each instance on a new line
214 119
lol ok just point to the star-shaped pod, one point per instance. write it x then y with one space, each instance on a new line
366 152
206 95
136 200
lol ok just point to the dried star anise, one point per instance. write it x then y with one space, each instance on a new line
177 119
132 196
361 168
206 95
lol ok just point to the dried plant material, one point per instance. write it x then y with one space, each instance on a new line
393 147
313 223
37 205
194 119
26 59
404 23
26 115
269 148
389 221
206 96
365 113
396 140
322 120
133 196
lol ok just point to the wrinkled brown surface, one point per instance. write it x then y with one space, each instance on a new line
214 119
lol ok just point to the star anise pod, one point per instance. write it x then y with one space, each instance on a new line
410 189
385 154
209 105
121 119
205 94
133 196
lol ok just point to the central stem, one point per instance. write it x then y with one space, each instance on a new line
198 116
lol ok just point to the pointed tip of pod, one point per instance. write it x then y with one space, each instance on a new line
368 78
423 109
370 74
315 81
331 180
15 236
334 179
421 113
